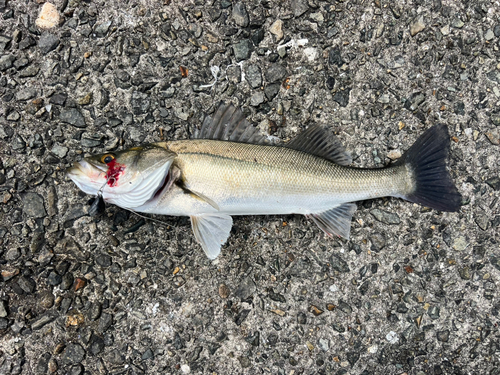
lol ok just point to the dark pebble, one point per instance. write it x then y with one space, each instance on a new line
242 315
271 90
100 30
115 357
96 345
67 281
73 117
339 264
33 205
275 73
103 260
344 307
301 318
334 57
76 369
73 354
433 312
494 182
240 14
105 322
253 76
54 278
27 284
194 355
342 97
48 42
378 241
443 336
242 49
385 217
244 362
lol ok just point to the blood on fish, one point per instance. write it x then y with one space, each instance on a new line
115 169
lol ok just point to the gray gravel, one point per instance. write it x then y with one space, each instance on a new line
413 291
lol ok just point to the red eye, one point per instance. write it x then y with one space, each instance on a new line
106 159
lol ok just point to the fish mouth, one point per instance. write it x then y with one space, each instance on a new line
87 176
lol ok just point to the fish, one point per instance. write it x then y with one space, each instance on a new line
229 168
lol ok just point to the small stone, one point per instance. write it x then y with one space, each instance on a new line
33 205
73 354
140 103
464 273
80 283
315 310
482 221
496 30
457 23
42 364
443 336
240 14
489 35
299 7
244 362
338 264
46 299
493 137
494 182
3 309
105 321
87 99
54 279
271 90
103 260
59 151
48 17
101 29
12 254
417 26
73 117
223 291
385 217
277 29
342 97
48 42
253 76
345 308
275 73
242 49
50 316
6 62
257 99
460 243
433 312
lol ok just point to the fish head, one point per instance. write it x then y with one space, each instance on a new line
128 178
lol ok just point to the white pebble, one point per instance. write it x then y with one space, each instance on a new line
392 337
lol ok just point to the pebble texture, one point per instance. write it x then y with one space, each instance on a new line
414 291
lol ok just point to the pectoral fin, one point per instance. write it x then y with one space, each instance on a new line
211 231
336 220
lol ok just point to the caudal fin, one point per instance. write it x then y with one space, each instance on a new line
427 160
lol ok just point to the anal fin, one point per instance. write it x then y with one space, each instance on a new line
211 231
336 220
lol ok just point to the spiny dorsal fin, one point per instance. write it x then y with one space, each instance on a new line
321 142
229 124
336 220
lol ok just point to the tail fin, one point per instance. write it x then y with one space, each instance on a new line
427 160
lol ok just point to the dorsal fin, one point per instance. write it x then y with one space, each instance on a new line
321 142
229 124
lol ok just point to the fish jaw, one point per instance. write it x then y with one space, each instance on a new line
88 177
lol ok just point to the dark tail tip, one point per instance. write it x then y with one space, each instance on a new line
427 159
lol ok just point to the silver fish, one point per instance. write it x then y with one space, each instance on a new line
228 169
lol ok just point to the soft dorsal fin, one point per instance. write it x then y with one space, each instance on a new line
321 142
336 220
229 124
211 231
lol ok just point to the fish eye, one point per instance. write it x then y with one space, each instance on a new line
108 158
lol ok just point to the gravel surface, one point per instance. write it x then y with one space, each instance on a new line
414 290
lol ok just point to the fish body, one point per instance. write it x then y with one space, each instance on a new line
250 179
228 169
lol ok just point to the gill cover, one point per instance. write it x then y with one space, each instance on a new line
146 170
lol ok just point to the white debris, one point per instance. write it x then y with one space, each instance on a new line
293 43
215 72
392 337
48 17
185 369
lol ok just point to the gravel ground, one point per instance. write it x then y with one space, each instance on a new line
414 290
